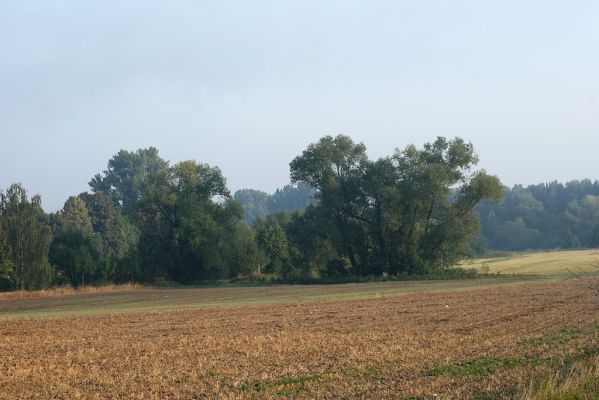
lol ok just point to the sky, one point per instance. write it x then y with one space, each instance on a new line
247 85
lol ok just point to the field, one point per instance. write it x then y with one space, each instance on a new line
554 263
483 338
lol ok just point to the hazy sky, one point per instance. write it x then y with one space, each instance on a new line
247 85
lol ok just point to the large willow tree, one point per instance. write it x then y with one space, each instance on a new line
408 213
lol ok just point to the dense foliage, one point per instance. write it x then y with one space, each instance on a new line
408 213
544 216
25 237
343 215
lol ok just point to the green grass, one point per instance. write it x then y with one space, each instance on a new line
482 366
564 336
285 382
182 299
491 365
505 270
577 381
571 333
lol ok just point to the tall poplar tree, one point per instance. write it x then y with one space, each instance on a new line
27 237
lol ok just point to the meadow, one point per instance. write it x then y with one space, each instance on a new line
550 263
509 335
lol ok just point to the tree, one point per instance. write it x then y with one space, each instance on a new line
76 250
74 216
242 254
272 242
412 212
436 195
291 198
543 216
125 178
259 205
27 236
311 249
185 220
254 202
582 219
6 268
76 257
119 238
334 167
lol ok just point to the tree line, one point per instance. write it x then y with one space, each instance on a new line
545 216
147 220
537 217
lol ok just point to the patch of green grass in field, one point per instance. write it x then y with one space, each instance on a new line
482 366
286 381
504 270
572 359
587 388
210 374
183 299
574 378
564 336
571 333
491 365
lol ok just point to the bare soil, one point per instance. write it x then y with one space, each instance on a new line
486 342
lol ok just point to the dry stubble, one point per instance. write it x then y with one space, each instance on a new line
482 341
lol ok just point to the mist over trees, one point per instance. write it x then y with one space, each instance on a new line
415 212
544 216
258 204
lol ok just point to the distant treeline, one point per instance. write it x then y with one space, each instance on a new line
538 217
545 216
259 205
343 216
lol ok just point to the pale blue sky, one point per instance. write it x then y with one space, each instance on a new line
247 85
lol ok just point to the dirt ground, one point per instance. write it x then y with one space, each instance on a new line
478 343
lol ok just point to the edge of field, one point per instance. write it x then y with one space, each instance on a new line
506 269
157 300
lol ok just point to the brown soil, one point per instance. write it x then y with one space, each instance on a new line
481 342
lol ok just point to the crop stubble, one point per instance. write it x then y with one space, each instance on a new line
490 340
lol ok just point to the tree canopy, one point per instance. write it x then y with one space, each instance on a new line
413 212
545 216
124 179
24 240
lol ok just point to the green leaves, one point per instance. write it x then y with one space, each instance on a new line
330 160
125 178
272 241
26 236
411 212
184 216
74 216
6 267
397 214
77 257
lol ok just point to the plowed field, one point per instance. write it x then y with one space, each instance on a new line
481 342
